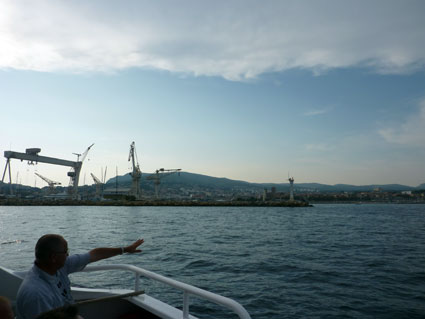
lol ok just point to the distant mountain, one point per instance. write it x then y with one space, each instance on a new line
183 179
368 188
186 179
203 182
422 186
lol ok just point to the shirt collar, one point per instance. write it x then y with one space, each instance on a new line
44 275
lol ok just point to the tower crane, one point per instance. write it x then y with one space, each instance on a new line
48 181
158 175
136 173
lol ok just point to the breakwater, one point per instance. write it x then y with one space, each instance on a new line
70 202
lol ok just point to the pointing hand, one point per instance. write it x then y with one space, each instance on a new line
133 247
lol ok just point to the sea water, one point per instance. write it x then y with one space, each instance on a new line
326 261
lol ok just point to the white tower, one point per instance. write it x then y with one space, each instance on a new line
291 188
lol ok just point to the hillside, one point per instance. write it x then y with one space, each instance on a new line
186 179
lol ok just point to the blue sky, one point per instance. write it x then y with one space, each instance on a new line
330 92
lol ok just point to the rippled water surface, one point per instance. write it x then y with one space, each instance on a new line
327 261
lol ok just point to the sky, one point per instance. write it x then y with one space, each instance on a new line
325 91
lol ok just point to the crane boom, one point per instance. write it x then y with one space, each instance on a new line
39 159
99 186
96 180
84 155
47 180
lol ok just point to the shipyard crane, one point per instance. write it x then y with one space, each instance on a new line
103 174
31 155
158 175
136 173
48 181
84 155
74 173
99 186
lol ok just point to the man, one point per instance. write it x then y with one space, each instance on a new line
46 286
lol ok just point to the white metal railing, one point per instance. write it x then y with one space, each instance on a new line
187 289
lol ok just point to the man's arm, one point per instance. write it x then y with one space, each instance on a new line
103 253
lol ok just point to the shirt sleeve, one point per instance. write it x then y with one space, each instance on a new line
76 262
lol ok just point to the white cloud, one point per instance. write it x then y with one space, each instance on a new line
316 112
233 39
411 132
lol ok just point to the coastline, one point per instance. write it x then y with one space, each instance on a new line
66 202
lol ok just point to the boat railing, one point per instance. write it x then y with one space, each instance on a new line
186 288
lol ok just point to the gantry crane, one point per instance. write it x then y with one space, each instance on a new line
48 181
136 173
158 175
31 155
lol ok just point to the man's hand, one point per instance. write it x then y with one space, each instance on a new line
133 247
103 253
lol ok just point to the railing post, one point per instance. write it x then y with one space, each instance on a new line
185 305
137 282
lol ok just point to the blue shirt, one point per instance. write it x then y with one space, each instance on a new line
41 292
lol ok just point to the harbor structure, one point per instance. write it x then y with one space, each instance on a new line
31 155
158 175
291 188
50 182
136 173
